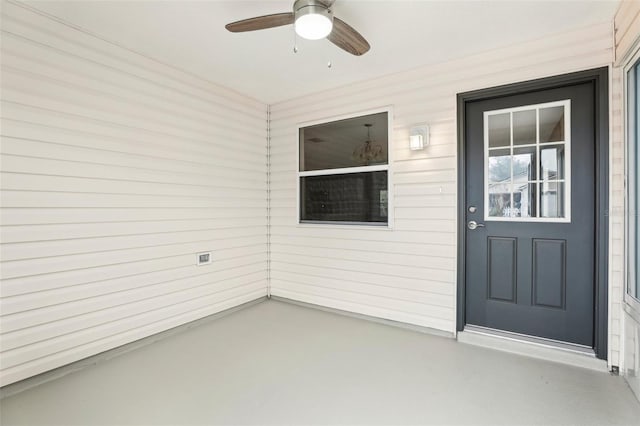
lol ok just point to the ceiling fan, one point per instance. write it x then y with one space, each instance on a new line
313 20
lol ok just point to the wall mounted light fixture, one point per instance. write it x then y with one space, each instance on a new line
418 137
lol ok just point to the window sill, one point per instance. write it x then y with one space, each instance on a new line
346 225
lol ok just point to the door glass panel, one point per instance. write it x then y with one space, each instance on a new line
524 127
552 199
528 164
552 162
524 164
499 130
552 124
499 200
524 199
512 200
500 165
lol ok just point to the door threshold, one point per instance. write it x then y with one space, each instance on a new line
531 346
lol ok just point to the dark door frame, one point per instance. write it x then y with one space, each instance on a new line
600 79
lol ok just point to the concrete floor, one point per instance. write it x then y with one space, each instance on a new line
276 363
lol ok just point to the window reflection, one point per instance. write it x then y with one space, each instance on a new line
524 164
512 200
499 200
552 162
499 165
552 124
360 141
499 130
524 127
353 197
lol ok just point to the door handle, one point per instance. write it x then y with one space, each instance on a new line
472 224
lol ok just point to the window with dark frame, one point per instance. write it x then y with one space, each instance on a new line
343 171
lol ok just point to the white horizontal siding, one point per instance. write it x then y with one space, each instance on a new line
616 219
407 273
115 171
627 28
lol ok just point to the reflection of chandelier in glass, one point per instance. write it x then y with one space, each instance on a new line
368 151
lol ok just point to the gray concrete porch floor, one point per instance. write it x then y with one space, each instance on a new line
277 363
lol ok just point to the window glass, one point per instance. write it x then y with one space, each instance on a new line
552 199
633 179
500 165
524 127
552 124
499 130
524 163
527 164
353 142
344 171
353 197
552 162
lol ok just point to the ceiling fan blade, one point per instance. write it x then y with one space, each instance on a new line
261 22
348 39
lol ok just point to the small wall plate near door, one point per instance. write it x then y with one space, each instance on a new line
203 258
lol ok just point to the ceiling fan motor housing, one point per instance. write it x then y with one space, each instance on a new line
312 9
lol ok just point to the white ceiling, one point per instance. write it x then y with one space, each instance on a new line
190 35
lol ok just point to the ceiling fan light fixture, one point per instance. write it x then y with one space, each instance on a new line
313 19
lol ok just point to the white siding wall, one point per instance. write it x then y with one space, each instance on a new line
627 31
406 274
116 170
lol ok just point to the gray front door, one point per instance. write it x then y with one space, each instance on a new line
530 213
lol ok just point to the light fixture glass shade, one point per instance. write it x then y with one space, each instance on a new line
313 26
416 142
418 137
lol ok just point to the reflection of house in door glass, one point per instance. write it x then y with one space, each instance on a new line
552 186
500 201
514 198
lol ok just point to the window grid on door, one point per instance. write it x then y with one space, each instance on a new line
528 140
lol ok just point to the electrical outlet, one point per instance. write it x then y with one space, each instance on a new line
203 258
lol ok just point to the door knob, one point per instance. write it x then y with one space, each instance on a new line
472 224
